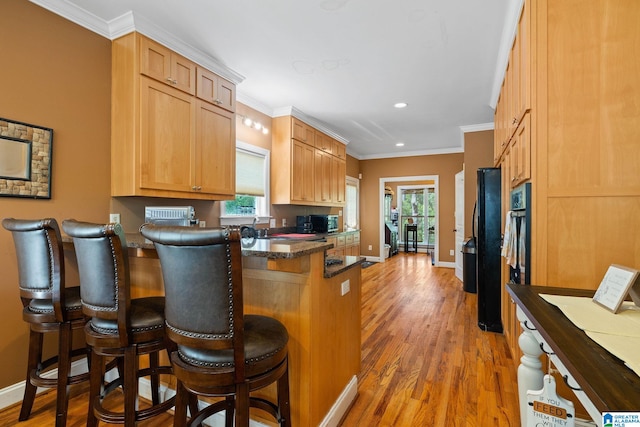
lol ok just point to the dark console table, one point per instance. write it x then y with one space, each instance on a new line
603 381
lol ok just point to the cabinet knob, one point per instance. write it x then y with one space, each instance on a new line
196 188
217 101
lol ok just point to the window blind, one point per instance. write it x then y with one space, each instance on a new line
250 169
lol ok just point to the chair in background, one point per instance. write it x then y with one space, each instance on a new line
118 325
221 352
48 306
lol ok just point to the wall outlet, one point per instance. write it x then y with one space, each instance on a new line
114 218
272 223
284 222
370 247
345 287
202 224
451 252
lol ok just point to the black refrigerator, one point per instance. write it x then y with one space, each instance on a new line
488 242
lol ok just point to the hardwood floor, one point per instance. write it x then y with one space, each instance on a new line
424 360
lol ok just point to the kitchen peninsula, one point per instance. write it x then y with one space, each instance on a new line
318 304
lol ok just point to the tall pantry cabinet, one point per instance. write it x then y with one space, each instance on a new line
576 139
173 125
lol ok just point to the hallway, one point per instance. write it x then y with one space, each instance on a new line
425 361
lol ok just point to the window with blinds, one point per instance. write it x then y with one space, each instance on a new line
252 186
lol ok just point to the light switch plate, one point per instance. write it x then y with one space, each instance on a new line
114 218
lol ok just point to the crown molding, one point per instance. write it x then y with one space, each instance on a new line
130 22
293 111
508 35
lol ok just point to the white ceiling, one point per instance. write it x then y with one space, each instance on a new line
340 64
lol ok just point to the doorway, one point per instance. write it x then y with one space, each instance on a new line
416 199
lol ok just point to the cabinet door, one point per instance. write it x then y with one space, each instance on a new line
524 57
215 90
338 180
215 150
155 60
522 151
323 142
322 176
167 137
339 150
302 132
164 65
302 172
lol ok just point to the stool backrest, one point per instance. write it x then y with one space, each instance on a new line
202 273
103 267
40 260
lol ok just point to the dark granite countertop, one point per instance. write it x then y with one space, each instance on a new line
267 248
347 263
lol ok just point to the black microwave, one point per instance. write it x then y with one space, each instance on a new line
324 223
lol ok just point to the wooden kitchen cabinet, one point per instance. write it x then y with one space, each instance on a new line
575 141
165 141
338 180
166 66
514 100
346 243
323 142
323 177
215 90
303 169
302 173
302 132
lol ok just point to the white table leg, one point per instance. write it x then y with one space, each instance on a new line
530 373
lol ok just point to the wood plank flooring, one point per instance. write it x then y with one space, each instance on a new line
424 360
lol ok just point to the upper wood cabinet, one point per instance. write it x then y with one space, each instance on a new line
305 173
302 174
514 100
160 63
215 90
302 132
165 141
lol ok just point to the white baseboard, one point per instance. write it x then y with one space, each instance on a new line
14 393
342 405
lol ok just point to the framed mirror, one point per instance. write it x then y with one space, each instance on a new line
25 160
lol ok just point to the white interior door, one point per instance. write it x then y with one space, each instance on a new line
459 219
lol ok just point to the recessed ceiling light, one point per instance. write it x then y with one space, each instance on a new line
400 104
400 144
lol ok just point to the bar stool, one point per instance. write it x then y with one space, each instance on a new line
410 237
221 351
118 326
49 306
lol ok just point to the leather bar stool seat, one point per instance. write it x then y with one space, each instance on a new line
119 326
49 307
221 351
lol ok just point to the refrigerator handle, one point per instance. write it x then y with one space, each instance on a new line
473 221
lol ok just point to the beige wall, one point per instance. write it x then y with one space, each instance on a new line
478 153
444 166
54 74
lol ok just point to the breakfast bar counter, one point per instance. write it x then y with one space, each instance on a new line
317 301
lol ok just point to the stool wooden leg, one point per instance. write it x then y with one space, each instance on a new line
130 385
182 398
154 362
35 355
284 407
242 405
228 413
65 346
95 384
